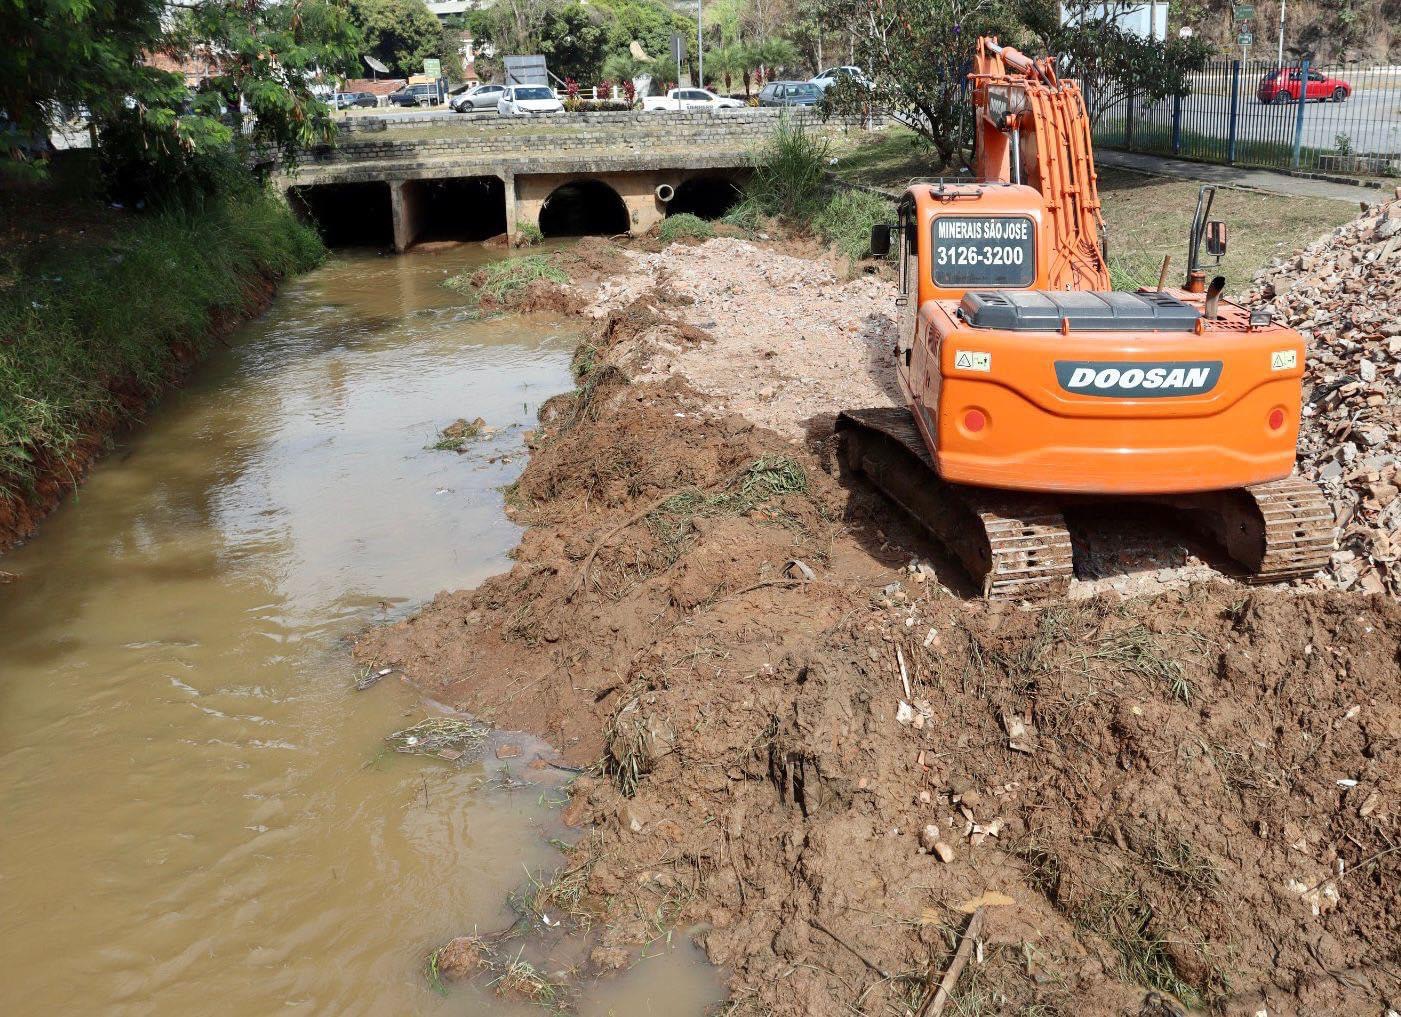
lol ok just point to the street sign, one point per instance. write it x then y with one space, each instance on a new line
1245 12
432 67
678 48
1246 38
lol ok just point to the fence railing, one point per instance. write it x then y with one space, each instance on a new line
1249 113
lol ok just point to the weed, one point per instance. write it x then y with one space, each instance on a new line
455 436
500 280
584 361
685 225
1136 650
1178 860
789 180
746 216
522 980
767 477
845 221
434 976
80 318
528 234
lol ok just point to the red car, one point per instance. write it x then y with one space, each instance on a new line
1284 86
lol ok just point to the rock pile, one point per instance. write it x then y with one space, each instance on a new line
1343 294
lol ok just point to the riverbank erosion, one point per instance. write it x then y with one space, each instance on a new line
807 741
101 309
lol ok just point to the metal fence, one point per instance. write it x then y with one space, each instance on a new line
1248 113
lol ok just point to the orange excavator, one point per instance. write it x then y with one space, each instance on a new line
1034 387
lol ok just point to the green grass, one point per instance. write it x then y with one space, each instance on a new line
685 225
82 312
501 279
888 159
528 234
789 181
845 221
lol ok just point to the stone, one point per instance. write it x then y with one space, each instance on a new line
944 852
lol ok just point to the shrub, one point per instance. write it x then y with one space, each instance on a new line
684 224
845 221
789 180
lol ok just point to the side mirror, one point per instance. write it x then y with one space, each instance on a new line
880 240
1216 238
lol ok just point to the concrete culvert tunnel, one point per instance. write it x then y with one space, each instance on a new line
583 208
462 208
347 215
708 197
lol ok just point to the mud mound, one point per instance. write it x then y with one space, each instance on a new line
1194 794
795 342
1344 294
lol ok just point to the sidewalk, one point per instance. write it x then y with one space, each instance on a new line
1235 176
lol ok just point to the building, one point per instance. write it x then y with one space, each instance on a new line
1146 20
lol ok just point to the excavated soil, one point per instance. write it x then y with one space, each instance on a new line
1193 793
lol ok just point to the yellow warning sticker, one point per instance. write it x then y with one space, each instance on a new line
1284 360
971 360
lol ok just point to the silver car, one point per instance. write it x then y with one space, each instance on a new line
477 97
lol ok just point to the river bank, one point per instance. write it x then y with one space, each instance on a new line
103 309
810 744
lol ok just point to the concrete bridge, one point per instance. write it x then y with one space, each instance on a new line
467 177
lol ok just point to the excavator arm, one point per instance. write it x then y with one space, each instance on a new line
1032 128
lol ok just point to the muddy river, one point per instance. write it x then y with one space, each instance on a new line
197 812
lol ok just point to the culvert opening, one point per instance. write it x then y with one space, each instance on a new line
583 208
706 197
462 208
347 215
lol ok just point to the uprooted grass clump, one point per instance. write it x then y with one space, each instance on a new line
685 226
495 284
768 477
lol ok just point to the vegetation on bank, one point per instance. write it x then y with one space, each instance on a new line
792 184
104 307
497 281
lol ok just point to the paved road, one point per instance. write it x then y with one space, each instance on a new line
1371 120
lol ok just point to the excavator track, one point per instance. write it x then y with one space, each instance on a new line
1277 531
1013 547
1017 546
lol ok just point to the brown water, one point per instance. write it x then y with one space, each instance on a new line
196 812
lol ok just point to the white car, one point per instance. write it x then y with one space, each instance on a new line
526 100
688 98
832 75
477 97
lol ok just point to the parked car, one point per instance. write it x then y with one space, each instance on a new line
790 93
364 100
1284 86
687 99
525 100
826 79
477 97
416 95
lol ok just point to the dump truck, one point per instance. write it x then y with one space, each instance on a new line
1034 387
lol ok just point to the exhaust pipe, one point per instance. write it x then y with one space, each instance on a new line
1213 296
665 192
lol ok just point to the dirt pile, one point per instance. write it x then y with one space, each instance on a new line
1195 793
1344 294
798 340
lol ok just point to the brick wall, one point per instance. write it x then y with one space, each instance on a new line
488 136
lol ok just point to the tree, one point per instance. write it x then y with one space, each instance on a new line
400 33
574 42
918 54
59 55
1109 62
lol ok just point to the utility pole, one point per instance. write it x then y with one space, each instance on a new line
700 46
1279 58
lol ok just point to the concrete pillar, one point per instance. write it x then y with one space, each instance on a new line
509 180
406 207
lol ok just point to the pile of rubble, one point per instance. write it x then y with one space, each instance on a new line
1343 294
